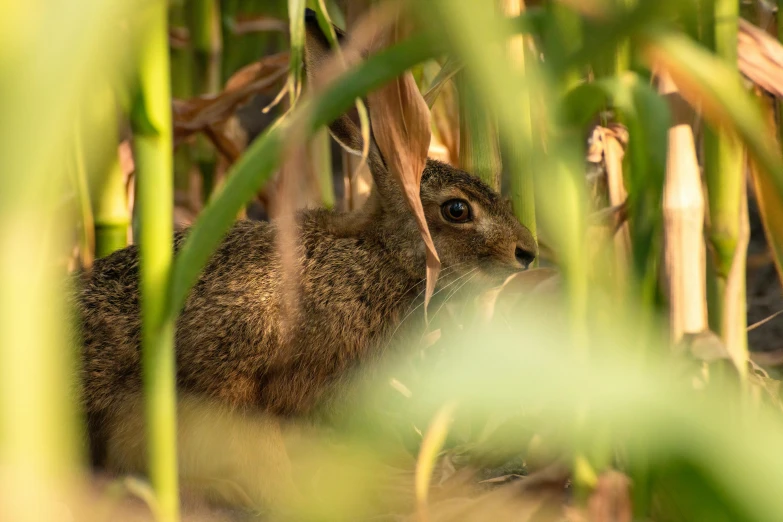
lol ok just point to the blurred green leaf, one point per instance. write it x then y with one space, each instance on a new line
648 118
649 408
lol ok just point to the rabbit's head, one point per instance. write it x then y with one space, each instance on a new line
473 228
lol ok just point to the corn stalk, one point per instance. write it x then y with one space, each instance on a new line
152 127
724 178
683 211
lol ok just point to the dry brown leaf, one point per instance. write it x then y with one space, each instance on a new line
502 479
179 37
224 145
400 122
770 209
608 145
244 24
760 58
196 114
610 217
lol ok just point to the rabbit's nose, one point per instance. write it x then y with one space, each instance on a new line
524 256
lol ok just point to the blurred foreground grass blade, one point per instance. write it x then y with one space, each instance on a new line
707 81
724 177
520 165
479 149
562 37
152 127
257 164
86 220
40 461
649 411
476 36
431 446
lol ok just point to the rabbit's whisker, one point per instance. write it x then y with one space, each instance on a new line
449 270
422 304
452 294
446 271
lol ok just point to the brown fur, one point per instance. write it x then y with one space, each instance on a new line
354 287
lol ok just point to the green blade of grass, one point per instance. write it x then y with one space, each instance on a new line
296 12
151 123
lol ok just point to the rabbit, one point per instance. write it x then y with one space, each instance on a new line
358 274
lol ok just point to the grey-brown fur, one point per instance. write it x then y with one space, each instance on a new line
357 274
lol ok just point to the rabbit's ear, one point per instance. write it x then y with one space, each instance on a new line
346 129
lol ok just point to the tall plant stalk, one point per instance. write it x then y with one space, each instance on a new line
206 42
521 178
479 148
724 177
152 126
683 210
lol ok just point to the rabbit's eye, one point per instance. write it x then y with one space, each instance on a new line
456 211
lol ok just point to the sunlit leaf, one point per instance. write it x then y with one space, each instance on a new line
400 122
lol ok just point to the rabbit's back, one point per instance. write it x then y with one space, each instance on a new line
242 338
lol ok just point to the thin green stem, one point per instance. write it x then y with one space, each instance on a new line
723 172
321 154
151 122
206 42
